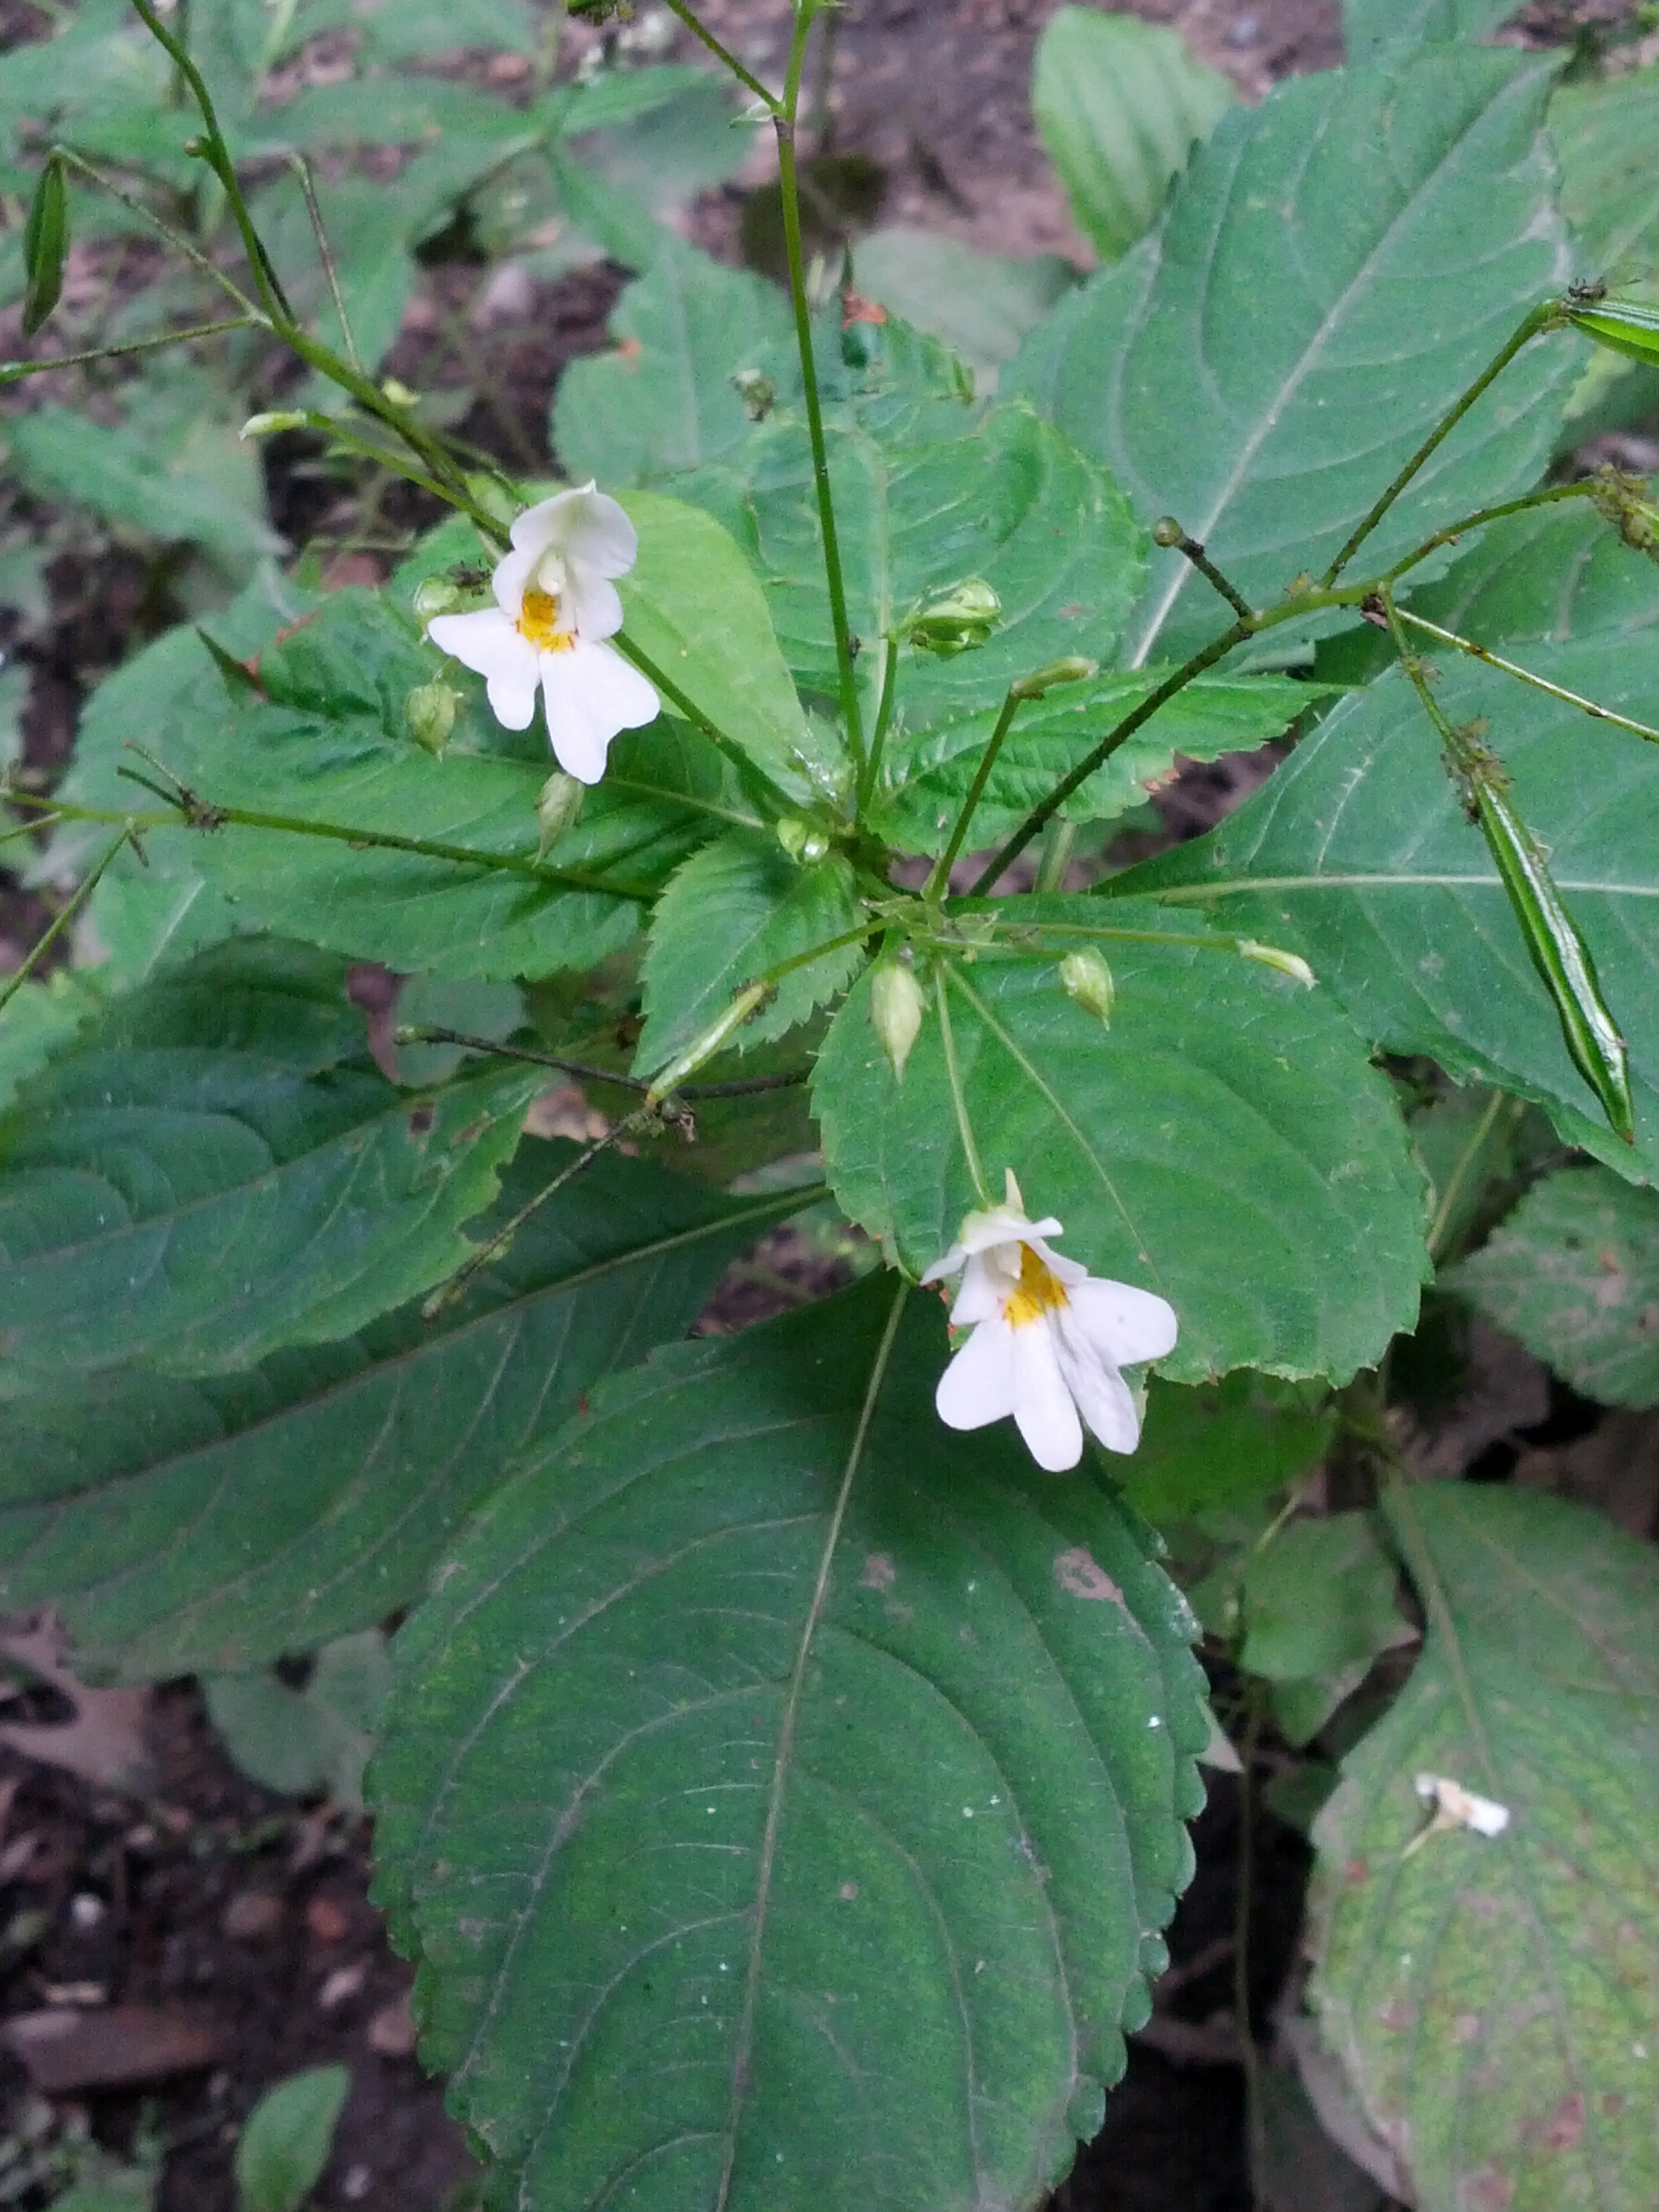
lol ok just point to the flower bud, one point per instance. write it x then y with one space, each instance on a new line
756 392
803 841
436 595
267 426
895 1010
1287 963
1166 530
399 394
429 711
1085 977
1073 669
956 619
557 808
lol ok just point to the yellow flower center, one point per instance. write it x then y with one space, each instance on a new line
538 622
1041 1291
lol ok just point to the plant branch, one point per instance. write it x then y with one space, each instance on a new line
1527 676
939 881
958 1097
869 781
66 914
1166 530
1548 316
693 714
725 57
1586 488
301 169
192 252
783 117
585 1072
11 371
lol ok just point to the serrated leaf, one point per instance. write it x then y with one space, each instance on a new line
981 305
931 770
325 741
38 1019
1004 498
1369 25
850 1761
1337 266
1119 105
665 400
181 1527
1226 1144
692 603
1357 854
736 908
1318 1600
1574 1273
210 1170
1492 1998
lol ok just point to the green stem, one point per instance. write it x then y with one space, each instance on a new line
1058 842
725 57
783 117
939 881
1439 1227
582 1071
217 155
66 914
1526 675
11 371
180 244
871 776
301 169
689 709
1586 488
958 1097
1548 316
1119 734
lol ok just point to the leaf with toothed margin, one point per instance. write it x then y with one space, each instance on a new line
785 1794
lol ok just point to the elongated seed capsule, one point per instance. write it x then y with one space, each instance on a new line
45 245
1629 326
896 1006
1560 956
748 1001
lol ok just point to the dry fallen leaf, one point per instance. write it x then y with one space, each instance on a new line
105 1744
65 2049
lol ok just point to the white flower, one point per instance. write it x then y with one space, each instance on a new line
1048 1338
555 606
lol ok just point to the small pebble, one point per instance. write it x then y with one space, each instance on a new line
342 1985
85 1910
252 1915
1243 31
392 2029
328 1922
356 2184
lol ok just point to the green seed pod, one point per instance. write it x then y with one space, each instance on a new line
429 711
956 619
267 426
1629 326
557 808
1288 963
1085 977
1073 669
436 596
896 1006
45 245
1558 953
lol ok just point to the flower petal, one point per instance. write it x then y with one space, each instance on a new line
978 1386
1099 1392
592 604
1126 1325
593 533
590 694
489 644
512 578
1000 1225
947 1265
1043 1410
982 1294
543 525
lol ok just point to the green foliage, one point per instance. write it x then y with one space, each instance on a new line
1392 897
1301 1255
980 305
1423 245
221 1522
1315 1606
1120 104
665 400
737 909
212 1170
1603 132
1493 1997
1227 1445
302 1742
1574 1273
286 2139
824 1784
930 771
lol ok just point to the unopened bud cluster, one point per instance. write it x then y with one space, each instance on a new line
956 619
